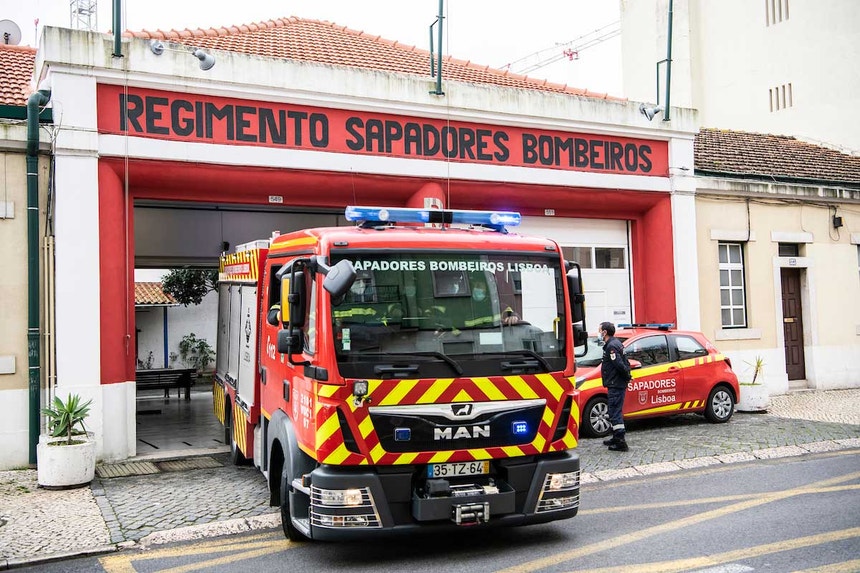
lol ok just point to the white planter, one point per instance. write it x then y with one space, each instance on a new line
64 466
753 398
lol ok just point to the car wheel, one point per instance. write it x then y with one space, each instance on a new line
595 418
721 405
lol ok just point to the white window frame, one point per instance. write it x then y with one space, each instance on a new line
730 286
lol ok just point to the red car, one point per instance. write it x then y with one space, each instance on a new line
674 372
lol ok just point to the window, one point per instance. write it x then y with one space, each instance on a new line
732 299
689 347
581 255
789 250
775 11
649 350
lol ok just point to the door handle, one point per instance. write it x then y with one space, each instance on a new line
673 370
789 320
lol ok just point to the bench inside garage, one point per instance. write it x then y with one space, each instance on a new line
166 379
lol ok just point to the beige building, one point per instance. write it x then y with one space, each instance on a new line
777 218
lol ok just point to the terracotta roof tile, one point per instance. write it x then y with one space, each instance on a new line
761 155
16 71
328 43
151 294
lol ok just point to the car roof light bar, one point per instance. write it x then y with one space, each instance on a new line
497 220
657 325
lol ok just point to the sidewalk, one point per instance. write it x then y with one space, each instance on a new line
160 501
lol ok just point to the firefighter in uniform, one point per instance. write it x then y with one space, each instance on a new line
615 371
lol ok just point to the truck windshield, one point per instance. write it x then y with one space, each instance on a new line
434 314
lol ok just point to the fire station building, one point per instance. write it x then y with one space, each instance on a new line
150 160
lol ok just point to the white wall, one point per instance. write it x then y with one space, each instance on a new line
726 57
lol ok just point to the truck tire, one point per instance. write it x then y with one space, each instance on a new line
290 531
237 458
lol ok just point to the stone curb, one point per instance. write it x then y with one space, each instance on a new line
16 562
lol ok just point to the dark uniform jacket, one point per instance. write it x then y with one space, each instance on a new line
614 369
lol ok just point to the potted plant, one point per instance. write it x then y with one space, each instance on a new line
754 395
66 457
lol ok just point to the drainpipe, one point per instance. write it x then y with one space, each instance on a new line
36 100
668 65
117 29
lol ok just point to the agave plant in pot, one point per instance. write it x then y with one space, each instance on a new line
754 394
66 457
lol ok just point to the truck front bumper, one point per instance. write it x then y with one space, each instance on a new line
348 503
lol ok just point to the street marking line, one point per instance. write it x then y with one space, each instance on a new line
554 560
847 567
272 547
681 565
123 562
704 500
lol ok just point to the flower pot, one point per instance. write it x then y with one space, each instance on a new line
753 398
62 466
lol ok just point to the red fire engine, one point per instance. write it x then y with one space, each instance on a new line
412 371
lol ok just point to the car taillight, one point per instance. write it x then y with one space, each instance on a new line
729 362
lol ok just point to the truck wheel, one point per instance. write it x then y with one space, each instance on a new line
720 406
290 530
237 458
595 418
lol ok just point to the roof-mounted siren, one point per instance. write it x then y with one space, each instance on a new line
370 216
10 33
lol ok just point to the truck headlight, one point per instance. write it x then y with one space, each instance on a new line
563 481
340 497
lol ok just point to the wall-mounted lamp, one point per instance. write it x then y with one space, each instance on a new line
206 60
650 112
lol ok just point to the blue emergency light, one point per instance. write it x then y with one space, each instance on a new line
493 219
519 428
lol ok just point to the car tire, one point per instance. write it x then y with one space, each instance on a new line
595 418
720 405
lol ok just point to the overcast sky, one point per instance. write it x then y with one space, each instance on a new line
487 32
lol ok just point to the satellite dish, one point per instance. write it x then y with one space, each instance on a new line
10 33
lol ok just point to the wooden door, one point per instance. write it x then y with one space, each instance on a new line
792 316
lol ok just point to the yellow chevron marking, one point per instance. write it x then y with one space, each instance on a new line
436 388
337 456
512 451
327 390
589 384
551 384
569 441
523 389
265 414
548 417
574 412
327 429
441 457
397 394
365 427
480 454
407 459
539 442
376 453
462 396
488 388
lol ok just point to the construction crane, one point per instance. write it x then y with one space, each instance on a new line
569 50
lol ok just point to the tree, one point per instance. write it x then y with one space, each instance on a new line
189 286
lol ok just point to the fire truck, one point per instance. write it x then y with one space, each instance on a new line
412 370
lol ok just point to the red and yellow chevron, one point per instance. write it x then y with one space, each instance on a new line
218 400
240 267
242 429
330 448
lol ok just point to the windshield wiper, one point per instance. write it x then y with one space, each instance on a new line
524 352
431 353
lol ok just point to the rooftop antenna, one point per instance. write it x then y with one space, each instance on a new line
84 15
10 33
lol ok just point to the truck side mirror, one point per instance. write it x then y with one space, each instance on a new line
577 296
293 298
338 280
289 341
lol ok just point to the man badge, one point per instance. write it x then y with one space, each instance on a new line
612 354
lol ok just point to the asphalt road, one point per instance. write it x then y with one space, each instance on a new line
787 514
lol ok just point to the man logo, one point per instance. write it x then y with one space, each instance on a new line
461 409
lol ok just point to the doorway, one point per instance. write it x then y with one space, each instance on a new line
792 322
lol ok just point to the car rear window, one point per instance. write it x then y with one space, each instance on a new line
649 350
689 347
